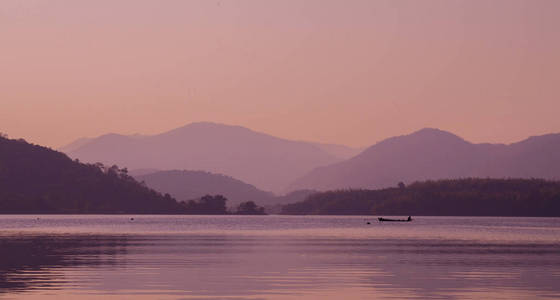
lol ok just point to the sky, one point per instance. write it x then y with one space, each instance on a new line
347 72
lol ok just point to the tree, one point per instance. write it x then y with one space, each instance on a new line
207 205
250 208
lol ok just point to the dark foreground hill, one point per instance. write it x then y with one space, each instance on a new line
431 154
35 179
460 197
187 185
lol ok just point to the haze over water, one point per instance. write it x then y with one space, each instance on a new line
278 257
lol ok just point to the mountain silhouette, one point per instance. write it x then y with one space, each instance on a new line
188 185
436 154
265 161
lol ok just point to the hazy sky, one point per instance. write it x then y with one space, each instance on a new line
350 72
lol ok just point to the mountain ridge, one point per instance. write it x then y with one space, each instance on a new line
268 162
430 154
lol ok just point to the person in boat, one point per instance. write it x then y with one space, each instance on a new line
395 220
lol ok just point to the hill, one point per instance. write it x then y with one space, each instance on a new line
187 185
265 161
435 154
461 197
35 179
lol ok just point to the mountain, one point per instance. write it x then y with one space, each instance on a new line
435 154
35 179
187 185
265 161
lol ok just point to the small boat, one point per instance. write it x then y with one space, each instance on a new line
395 220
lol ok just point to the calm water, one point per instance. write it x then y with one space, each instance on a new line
278 257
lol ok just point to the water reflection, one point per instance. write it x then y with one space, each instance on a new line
225 265
32 261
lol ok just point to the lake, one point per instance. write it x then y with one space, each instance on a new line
277 257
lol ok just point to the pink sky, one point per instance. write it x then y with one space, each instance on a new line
350 72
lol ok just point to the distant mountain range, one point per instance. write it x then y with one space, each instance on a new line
435 154
38 179
279 165
262 160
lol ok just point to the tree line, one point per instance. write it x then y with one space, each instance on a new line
452 197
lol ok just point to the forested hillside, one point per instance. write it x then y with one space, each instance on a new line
35 179
459 197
